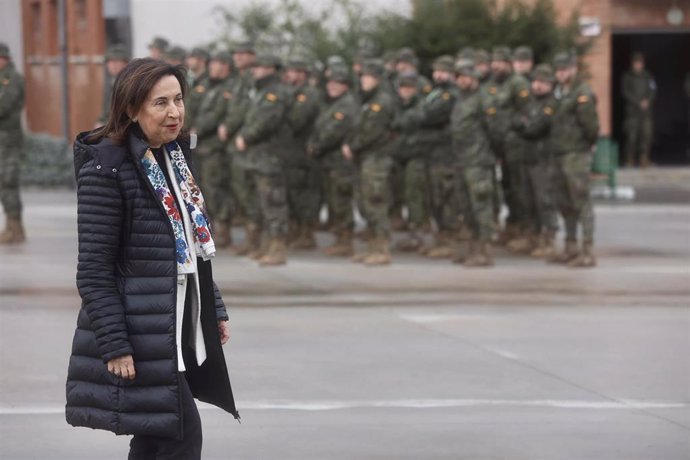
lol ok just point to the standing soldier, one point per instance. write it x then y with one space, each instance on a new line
262 138
434 132
410 153
158 47
482 65
116 58
639 90
198 80
574 132
535 127
11 104
211 161
303 179
175 55
330 130
474 168
369 146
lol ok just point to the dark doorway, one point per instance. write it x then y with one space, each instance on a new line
666 57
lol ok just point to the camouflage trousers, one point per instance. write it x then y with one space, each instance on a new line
304 191
214 179
417 192
373 193
339 195
267 194
475 187
638 137
10 167
244 200
541 208
397 181
445 207
515 193
571 189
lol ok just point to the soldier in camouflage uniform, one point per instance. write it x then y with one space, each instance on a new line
434 133
175 55
639 90
369 146
535 127
410 153
262 138
211 159
158 47
482 65
116 58
303 179
575 128
11 137
474 167
197 79
330 130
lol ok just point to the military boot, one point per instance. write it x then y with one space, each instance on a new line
443 248
570 252
482 257
585 259
305 239
509 233
262 250
411 243
380 255
361 256
251 240
276 253
343 246
14 231
545 248
461 257
222 237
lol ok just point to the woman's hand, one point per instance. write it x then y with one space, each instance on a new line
224 331
123 367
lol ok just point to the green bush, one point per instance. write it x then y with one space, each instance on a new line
47 162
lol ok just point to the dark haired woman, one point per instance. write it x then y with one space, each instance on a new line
152 321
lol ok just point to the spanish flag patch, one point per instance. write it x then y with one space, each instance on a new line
227 95
493 90
339 116
524 93
445 96
301 98
427 89
199 88
375 107
491 111
6 82
583 99
548 110
271 97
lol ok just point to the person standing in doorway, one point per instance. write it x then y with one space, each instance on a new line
639 90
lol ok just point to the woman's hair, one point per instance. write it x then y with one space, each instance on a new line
130 90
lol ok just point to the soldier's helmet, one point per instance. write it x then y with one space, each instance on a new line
299 63
409 79
222 56
374 67
408 55
444 63
159 43
564 60
340 74
176 53
335 60
465 68
117 52
501 54
268 60
543 72
200 53
482 57
244 47
523 53
5 51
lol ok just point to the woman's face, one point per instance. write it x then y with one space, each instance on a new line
162 115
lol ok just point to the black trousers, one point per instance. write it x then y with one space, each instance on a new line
189 448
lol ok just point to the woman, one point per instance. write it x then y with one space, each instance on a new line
152 321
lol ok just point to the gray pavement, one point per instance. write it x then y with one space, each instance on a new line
421 360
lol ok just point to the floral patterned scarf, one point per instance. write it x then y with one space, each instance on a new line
193 201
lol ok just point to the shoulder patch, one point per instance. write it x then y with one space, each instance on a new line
375 107
583 99
445 96
491 111
227 95
548 110
524 93
301 98
200 88
339 116
271 97
427 88
493 90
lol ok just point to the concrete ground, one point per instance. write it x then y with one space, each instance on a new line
420 360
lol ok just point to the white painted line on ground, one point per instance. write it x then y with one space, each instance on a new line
326 405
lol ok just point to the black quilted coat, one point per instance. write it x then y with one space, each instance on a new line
126 277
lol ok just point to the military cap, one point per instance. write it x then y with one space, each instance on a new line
244 47
466 53
268 60
363 54
159 43
444 63
407 55
335 60
4 50
637 56
222 56
390 56
482 57
298 63
374 67
500 53
523 53
117 52
200 53
408 79
543 72
340 74
563 61
465 68
176 52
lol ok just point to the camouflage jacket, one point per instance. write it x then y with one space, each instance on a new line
304 108
371 130
636 87
471 146
502 99
197 90
575 126
211 114
408 144
11 99
331 128
434 121
535 127
237 107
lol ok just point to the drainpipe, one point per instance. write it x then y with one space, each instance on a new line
64 71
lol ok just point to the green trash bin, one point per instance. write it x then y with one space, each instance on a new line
605 162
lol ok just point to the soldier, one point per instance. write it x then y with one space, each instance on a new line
575 128
262 138
11 137
639 90
407 63
211 160
482 65
244 56
157 47
175 55
369 146
410 153
303 179
474 167
434 132
535 126
330 130
198 80
116 59
523 61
